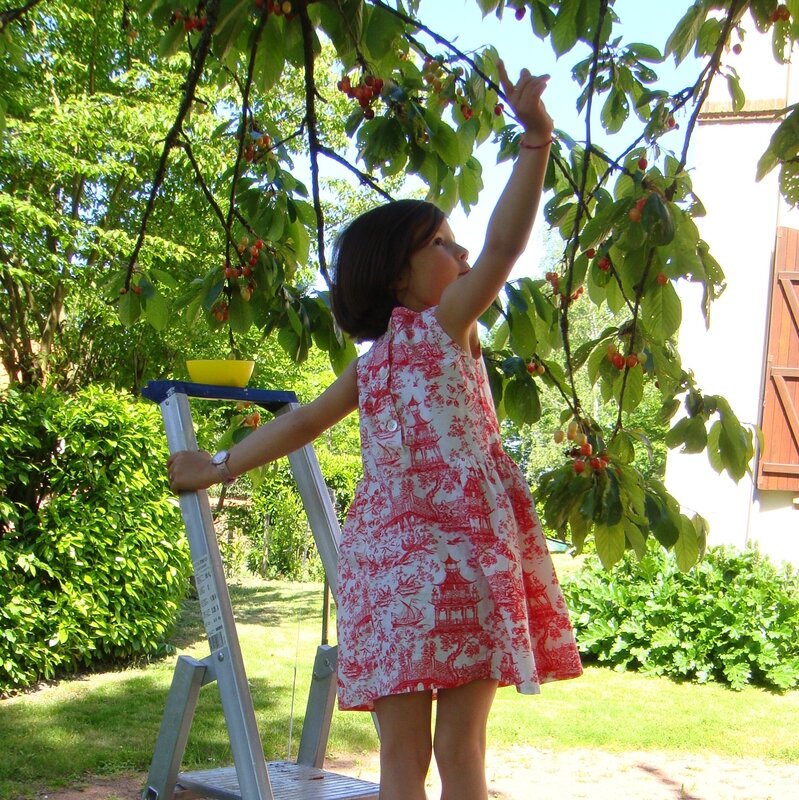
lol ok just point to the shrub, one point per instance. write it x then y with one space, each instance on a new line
93 559
733 618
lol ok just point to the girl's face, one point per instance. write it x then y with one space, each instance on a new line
434 267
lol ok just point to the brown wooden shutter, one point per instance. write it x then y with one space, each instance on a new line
779 462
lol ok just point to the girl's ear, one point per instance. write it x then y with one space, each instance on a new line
401 283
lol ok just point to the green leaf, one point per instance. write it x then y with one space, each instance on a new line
129 308
382 30
270 58
610 543
635 538
690 432
522 334
645 52
736 92
633 389
686 548
445 142
615 111
171 40
657 221
661 312
156 311
684 36
564 29
521 401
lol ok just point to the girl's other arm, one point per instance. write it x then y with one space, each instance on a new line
512 219
190 470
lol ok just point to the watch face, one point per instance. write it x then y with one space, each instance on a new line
220 458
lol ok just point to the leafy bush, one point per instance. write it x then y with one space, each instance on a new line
93 559
733 618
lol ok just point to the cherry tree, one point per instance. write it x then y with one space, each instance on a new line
403 100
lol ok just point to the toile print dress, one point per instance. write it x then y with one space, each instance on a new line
444 573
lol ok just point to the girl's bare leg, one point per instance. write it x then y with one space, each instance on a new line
405 744
460 739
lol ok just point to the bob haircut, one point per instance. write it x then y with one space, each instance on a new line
369 257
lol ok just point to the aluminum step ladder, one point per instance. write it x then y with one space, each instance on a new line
251 778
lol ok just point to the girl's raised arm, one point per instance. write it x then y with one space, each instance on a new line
190 470
512 219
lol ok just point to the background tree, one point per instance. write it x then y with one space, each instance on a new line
412 103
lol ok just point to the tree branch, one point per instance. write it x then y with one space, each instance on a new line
198 63
14 14
313 137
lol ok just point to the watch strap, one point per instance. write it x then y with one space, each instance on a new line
219 460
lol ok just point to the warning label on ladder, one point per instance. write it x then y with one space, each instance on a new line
209 603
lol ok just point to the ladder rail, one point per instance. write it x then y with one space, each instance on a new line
217 614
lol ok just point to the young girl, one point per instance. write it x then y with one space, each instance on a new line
446 588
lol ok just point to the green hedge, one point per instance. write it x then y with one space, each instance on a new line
93 559
733 618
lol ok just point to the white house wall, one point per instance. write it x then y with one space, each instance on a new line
728 359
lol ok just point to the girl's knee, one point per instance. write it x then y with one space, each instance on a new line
461 749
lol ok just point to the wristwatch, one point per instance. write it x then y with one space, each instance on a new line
219 460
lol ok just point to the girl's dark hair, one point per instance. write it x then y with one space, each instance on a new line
370 255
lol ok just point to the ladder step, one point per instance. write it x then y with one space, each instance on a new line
289 781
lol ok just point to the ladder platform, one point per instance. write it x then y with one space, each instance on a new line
289 781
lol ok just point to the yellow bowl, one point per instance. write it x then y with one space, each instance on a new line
220 371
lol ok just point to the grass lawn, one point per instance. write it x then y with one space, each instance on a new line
107 722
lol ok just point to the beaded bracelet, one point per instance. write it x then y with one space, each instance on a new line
526 146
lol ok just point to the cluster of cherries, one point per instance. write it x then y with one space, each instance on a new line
582 453
253 418
191 22
276 7
554 281
263 142
220 311
621 361
781 13
251 253
365 92
535 368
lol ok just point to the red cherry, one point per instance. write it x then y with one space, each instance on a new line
632 360
520 13
603 264
635 214
737 49
578 466
662 279
498 109
618 360
531 367
590 252
136 290
586 449
642 163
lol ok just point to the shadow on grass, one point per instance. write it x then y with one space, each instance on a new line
105 723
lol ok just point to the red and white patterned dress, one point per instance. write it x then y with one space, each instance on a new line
444 573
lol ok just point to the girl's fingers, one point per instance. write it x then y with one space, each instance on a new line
504 80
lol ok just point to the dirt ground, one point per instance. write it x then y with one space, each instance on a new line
526 773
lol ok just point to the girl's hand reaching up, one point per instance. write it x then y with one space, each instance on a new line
524 97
